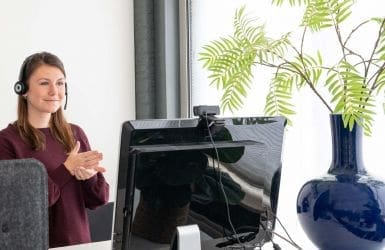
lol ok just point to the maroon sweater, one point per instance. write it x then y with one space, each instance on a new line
68 198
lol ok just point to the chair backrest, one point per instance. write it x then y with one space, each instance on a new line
100 221
23 205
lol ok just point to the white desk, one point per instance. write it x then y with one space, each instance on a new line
106 245
102 245
138 244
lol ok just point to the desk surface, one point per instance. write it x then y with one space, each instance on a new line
138 244
102 245
106 245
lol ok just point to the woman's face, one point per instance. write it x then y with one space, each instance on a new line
46 90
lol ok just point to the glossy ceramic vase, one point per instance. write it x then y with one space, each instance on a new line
344 209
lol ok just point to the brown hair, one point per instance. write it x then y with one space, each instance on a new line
58 125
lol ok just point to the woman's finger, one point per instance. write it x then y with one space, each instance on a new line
100 169
91 155
87 173
78 174
75 150
90 164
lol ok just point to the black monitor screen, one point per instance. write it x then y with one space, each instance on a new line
223 176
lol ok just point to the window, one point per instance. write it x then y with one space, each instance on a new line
307 146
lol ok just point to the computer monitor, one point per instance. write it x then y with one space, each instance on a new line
225 178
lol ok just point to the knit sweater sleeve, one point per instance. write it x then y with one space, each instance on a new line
56 181
95 189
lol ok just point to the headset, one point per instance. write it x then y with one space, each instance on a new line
21 87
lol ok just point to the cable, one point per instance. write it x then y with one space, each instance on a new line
279 221
275 245
291 241
249 237
288 241
243 239
221 184
228 237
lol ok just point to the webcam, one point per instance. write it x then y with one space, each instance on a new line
205 110
207 118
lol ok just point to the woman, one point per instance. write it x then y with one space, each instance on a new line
75 179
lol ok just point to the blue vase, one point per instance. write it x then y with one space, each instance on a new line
345 209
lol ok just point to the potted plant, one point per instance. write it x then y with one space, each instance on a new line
354 81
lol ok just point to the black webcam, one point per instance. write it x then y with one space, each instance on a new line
207 118
205 110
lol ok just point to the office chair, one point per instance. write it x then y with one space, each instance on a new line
23 205
100 221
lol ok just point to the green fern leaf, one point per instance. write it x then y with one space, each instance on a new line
321 14
291 2
278 99
343 10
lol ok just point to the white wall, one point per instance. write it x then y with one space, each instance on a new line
94 39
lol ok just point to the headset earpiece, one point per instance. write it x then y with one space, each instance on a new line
20 88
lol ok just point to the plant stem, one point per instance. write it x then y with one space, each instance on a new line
353 31
299 72
373 51
377 74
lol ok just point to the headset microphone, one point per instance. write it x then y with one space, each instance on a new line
66 94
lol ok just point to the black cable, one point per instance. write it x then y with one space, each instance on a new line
288 235
288 241
242 239
228 237
275 245
221 184
250 236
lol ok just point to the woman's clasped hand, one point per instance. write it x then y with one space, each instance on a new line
84 165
